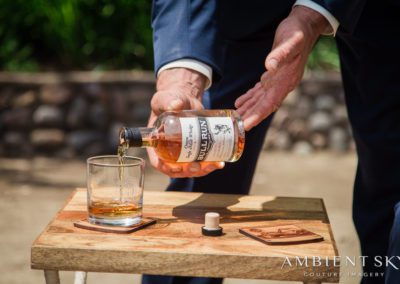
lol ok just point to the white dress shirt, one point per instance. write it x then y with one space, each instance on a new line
207 70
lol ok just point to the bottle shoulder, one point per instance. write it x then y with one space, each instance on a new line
203 113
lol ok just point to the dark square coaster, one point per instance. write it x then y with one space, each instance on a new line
281 235
84 224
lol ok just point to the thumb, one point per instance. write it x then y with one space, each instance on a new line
284 50
166 101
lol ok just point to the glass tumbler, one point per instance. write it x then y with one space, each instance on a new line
115 190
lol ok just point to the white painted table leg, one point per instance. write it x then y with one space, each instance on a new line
51 276
80 277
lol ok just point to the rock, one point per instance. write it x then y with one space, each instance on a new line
352 145
95 149
119 106
98 116
66 153
341 96
25 99
15 138
292 98
7 95
313 88
47 137
282 141
303 108
319 141
269 141
47 115
55 94
302 148
16 144
113 135
320 121
17 118
94 91
324 102
297 129
77 115
281 117
140 93
340 115
140 113
79 139
338 139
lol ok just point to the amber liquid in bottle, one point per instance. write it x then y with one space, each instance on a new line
208 136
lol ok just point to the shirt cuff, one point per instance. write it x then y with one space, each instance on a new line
190 64
324 12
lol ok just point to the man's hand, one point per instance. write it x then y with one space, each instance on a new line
294 40
179 89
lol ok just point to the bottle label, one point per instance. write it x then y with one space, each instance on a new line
206 139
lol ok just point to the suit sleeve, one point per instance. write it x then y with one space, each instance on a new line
186 29
347 12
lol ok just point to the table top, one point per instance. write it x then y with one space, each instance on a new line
175 245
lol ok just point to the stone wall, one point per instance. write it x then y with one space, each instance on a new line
312 118
79 113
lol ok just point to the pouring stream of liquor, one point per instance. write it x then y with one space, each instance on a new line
121 159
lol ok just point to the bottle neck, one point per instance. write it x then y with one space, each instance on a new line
138 136
148 136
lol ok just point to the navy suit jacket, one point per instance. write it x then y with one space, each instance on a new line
196 28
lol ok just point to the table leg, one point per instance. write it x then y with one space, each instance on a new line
51 276
80 277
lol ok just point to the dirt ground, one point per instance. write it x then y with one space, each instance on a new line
32 191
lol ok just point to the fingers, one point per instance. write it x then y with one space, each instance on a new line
257 97
187 170
196 104
248 95
263 104
164 101
284 50
173 101
256 114
182 170
285 66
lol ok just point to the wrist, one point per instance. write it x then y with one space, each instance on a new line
187 80
315 21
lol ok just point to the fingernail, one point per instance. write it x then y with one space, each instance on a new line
194 168
175 104
273 63
221 165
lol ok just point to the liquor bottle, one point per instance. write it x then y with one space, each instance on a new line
188 136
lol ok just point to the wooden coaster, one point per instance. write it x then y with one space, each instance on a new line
281 235
84 224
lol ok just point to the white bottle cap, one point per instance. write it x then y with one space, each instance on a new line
211 226
211 221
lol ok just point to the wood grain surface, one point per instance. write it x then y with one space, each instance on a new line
175 245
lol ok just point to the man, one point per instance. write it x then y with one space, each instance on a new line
250 55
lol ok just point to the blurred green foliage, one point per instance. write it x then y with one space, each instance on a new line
90 35
75 34
324 55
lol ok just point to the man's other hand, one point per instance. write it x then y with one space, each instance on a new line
179 89
293 42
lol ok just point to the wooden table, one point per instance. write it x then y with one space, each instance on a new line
175 245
